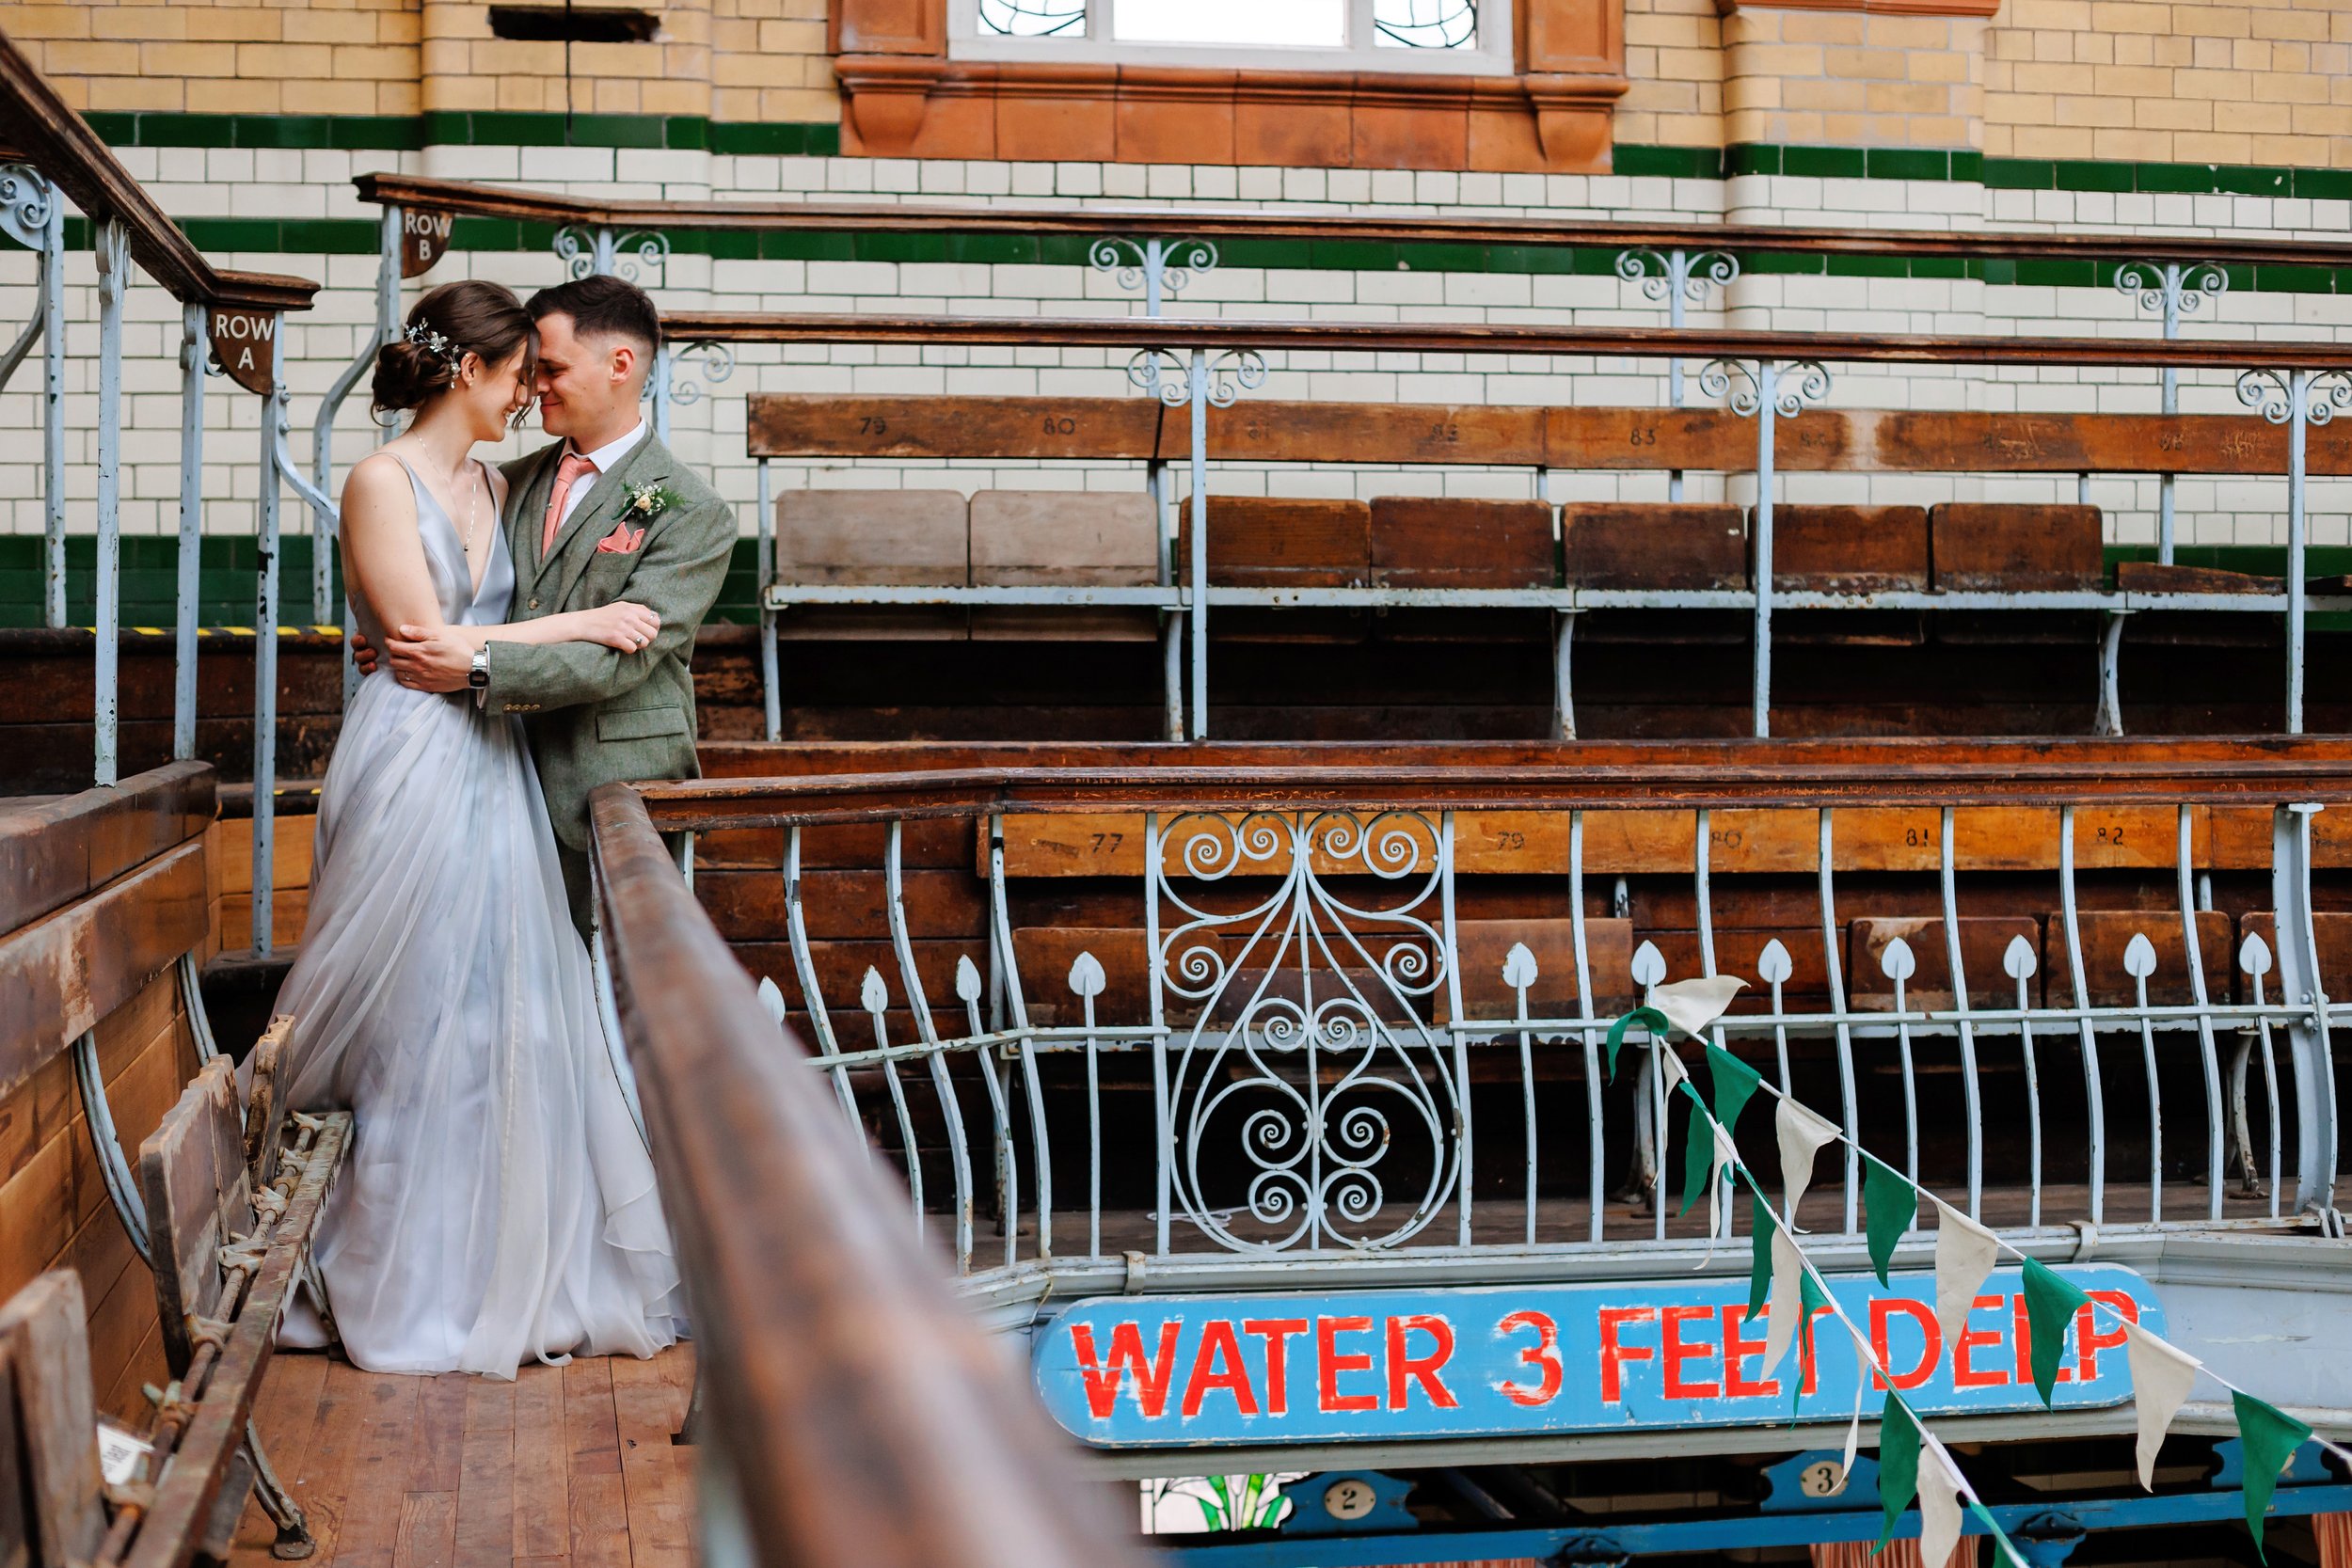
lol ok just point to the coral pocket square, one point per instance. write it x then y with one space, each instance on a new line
623 540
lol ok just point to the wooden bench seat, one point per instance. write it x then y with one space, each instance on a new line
1064 539
874 538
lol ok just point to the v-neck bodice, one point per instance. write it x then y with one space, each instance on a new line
461 602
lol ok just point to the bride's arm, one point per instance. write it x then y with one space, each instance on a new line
383 555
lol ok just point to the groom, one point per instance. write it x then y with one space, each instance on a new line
603 514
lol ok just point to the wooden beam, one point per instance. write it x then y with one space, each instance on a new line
55 851
1231 222
62 974
791 424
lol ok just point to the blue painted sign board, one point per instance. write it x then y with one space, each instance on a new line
1152 1371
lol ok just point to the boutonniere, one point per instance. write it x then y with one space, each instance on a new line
646 502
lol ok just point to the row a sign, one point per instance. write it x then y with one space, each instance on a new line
1527 1360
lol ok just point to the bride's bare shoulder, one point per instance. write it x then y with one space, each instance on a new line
377 483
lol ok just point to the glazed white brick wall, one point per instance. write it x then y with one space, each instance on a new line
316 183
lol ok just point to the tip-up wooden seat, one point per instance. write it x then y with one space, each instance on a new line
1457 542
1283 542
873 539
1064 539
227 1252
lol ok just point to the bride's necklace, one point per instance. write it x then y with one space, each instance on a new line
474 514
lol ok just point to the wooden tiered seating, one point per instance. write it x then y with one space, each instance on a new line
52 1498
1064 539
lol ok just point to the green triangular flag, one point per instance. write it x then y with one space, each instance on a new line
1898 1465
1735 1081
1648 1018
1760 1223
1698 1150
2051 1303
2271 1436
1890 1205
2005 1554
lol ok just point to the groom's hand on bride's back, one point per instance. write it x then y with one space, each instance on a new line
428 661
362 653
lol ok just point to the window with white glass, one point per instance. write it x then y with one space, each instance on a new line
1468 35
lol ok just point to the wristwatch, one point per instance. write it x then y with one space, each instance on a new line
478 676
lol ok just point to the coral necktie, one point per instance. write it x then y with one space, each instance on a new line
566 471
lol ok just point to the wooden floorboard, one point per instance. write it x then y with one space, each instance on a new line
564 1465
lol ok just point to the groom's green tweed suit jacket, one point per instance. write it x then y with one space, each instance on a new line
594 714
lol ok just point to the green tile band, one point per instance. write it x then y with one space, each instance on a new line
302 237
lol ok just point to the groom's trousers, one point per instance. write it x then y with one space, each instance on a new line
577 884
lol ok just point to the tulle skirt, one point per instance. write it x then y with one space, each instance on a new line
498 1204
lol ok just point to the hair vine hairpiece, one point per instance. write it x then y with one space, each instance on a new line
433 341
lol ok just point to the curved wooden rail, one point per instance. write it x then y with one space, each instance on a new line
1509 777
38 127
1216 223
859 1414
1658 342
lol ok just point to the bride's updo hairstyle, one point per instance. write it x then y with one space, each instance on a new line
470 316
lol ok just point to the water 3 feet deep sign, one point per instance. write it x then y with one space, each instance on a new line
1124 1371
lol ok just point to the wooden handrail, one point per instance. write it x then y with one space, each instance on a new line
857 1412
39 129
2255 770
1618 343
1223 223
927 426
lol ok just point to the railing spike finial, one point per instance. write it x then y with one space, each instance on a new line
1086 975
2018 961
2139 957
1772 965
1898 962
872 994
967 979
2253 955
1649 965
772 998
1519 967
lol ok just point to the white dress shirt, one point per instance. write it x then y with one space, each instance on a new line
604 460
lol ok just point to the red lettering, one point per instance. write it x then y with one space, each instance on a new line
1543 1356
1737 1349
1218 1344
1673 1352
1614 1355
1329 1363
1964 1374
1276 1331
2090 1339
2025 1348
1405 1367
1882 1310
1103 1383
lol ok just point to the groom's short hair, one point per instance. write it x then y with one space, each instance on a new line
602 306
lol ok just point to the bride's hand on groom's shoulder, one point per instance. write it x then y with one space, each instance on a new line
362 653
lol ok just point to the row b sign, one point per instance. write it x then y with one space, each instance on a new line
1524 1360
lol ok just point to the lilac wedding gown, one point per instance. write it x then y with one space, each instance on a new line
498 1204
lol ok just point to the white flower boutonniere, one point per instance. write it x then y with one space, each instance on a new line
646 502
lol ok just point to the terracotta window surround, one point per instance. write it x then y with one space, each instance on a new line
902 97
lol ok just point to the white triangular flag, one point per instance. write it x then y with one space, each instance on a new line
1853 1434
1691 1005
2162 1375
1786 1305
1801 1136
1939 1504
1671 1065
1964 1254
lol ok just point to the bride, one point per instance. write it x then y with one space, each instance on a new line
498 1204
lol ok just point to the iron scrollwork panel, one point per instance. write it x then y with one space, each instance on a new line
1300 962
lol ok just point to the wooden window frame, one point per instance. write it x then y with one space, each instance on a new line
904 95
